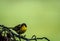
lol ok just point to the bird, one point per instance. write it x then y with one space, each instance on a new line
20 28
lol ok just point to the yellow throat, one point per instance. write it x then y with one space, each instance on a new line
23 28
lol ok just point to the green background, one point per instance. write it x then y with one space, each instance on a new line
41 16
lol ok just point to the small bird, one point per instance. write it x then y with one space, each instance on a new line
21 28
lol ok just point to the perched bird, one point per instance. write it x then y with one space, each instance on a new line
21 28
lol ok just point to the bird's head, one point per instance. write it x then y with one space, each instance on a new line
21 28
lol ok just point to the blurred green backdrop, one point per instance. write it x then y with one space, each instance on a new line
41 16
